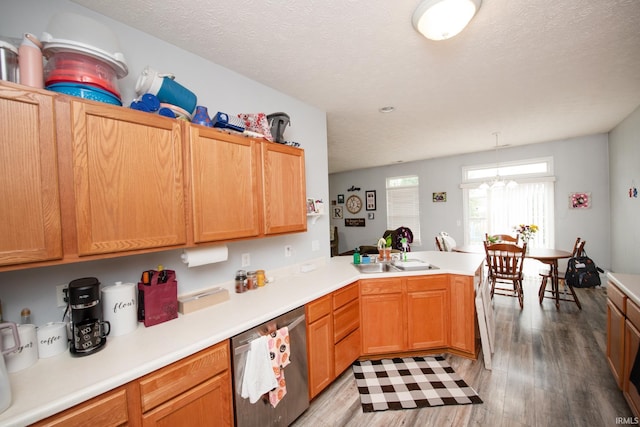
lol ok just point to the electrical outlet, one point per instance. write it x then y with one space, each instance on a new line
288 251
246 260
315 245
61 294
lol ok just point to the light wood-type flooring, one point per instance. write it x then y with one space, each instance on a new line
549 369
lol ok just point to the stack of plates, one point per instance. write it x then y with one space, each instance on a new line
85 91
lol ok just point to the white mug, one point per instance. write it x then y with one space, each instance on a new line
26 354
52 339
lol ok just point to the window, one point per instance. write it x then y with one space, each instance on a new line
403 205
498 209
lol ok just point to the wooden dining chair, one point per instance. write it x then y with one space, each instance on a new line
578 249
502 238
505 261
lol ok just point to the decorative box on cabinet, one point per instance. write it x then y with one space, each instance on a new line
30 222
124 171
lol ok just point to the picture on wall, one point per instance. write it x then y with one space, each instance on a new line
370 197
341 199
440 197
580 200
371 215
336 212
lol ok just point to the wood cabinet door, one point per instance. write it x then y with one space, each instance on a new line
284 189
631 343
615 341
30 218
225 185
127 179
463 313
382 315
208 404
107 410
320 354
427 312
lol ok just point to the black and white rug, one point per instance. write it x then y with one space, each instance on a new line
412 382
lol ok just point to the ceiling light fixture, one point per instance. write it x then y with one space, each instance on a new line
497 182
443 19
387 109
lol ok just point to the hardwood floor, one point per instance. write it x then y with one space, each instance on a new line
549 368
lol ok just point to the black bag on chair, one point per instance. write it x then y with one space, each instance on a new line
582 272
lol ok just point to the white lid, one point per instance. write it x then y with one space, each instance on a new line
150 81
116 60
8 46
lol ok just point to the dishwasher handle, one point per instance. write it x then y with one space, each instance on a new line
242 348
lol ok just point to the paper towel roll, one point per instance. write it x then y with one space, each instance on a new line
119 308
201 256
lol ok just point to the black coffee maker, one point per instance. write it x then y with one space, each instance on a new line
88 331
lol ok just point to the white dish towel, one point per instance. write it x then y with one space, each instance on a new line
258 376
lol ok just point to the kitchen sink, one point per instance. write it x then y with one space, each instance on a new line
378 267
395 266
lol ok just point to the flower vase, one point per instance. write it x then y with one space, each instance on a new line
201 117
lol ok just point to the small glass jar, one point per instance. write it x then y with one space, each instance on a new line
252 280
261 278
241 281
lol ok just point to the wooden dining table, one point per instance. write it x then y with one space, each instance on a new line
546 256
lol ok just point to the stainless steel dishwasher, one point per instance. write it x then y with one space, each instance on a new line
296 401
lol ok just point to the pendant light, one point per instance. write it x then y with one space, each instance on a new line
443 19
497 182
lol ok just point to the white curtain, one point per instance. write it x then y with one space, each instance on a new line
499 210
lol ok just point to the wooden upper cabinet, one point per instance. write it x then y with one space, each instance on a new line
225 178
284 189
127 179
30 219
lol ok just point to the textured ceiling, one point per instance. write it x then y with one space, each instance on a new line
533 70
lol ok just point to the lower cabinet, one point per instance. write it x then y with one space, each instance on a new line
616 309
195 391
418 313
108 409
333 336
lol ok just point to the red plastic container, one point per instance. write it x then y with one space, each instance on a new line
68 67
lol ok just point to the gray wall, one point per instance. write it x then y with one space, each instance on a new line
220 90
624 149
580 165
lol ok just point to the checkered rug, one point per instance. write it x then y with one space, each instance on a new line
413 382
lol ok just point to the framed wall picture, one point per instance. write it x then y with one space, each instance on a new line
580 200
341 199
440 197
370 197
336 212
354 222
371 215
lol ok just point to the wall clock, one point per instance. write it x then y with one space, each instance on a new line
354 204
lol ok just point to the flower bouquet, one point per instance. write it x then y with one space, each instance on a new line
526 231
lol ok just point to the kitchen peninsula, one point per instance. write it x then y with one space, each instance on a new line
53 385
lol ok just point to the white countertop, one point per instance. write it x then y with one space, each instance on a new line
57 383
628 283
